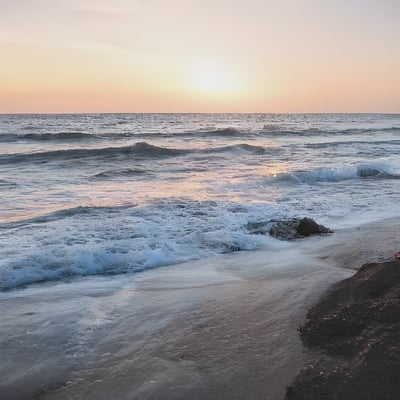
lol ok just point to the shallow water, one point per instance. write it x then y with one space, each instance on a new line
224 327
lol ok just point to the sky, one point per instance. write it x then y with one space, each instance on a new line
61 56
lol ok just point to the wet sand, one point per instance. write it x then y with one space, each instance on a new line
223 328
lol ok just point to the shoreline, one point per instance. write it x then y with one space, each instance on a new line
225 328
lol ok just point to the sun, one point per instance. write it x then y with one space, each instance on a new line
212 78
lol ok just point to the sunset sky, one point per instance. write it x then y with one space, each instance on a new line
199 56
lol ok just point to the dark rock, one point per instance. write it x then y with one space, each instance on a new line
354 330
308 227
288 229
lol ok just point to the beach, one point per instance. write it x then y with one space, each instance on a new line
225 328
145 256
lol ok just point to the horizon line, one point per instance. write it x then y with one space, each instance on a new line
199 112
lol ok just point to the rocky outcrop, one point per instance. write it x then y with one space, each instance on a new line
288 229
354 335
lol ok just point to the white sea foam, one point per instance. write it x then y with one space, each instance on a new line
112 241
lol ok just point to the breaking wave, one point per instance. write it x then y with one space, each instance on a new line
116 240
373 171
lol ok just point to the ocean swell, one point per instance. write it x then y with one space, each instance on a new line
140 149
285 131
137 150
57 136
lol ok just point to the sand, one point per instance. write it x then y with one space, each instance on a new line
222 328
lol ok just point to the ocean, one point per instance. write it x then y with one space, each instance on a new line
107 194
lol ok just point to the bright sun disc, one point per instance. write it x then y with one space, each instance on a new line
212 79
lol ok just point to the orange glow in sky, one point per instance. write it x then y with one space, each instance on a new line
199 56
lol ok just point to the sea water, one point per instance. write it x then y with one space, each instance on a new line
122 193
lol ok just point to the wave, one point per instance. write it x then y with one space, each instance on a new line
271 130
371 130
238 148
66 213
229 132
268 130
57 136
47 137
29 127
115 173
138 150
7 185
281 131
109 240
363 171
322 145
77 135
